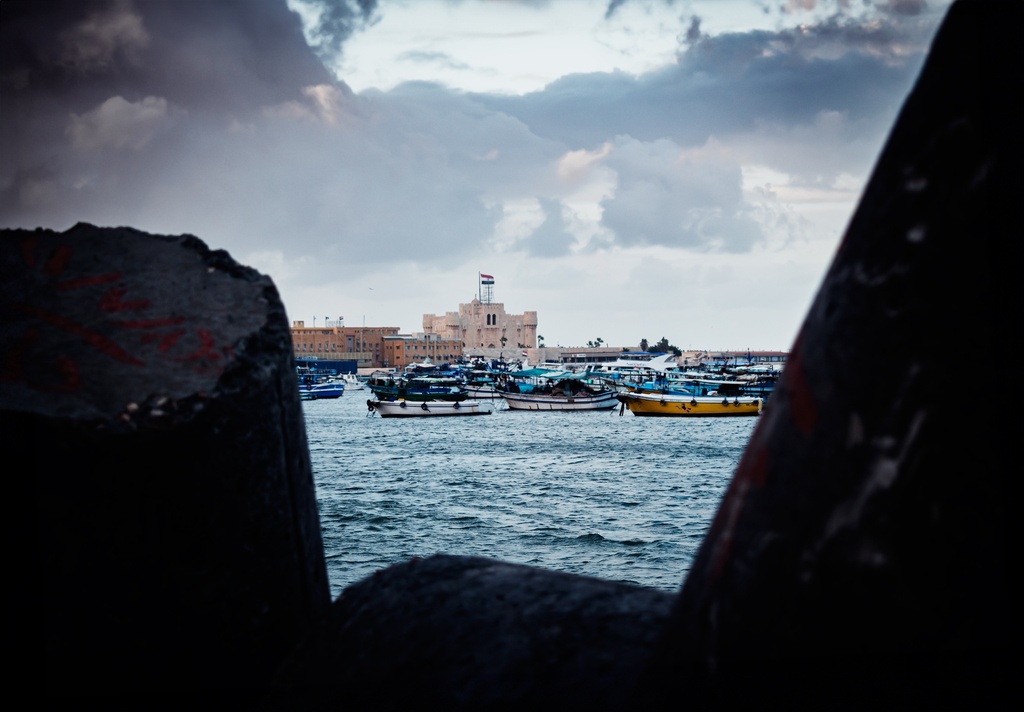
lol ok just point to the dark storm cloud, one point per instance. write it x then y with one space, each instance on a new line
732 83
337 21
820 91
228 55
78 77
217 118
904 7
693 33
613 5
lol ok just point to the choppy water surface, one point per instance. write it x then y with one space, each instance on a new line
601 494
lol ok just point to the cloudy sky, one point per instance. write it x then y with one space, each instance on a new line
628 169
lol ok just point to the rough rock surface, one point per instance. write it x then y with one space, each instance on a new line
455 632
867 551
148 396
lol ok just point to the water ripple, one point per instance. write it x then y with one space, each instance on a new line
598 494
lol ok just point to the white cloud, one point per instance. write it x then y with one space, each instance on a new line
575 164
118 123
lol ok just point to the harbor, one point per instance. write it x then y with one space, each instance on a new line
622 498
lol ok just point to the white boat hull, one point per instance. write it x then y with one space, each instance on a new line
541 401
478 392
428 409
353 384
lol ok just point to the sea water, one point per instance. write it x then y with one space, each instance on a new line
599 493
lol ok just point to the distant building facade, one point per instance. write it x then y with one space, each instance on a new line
572 357
363 344
371 347
483 324
400 350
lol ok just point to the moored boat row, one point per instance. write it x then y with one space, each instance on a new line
427 390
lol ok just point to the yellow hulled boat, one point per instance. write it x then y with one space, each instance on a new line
669 405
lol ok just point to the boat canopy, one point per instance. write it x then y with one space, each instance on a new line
552 374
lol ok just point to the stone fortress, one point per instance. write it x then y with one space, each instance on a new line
484 324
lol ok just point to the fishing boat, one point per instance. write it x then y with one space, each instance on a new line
428 408
481 381
646 362
543 389
352 382
660 383
668 405
310 389
391 386
482 388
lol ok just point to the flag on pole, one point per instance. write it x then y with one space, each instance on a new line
486 276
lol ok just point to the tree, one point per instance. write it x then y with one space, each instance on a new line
665 347
540 340
643 344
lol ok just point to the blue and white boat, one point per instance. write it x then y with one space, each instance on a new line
314 388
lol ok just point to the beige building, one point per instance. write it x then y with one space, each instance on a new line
485 325
371 347
363 344
402 349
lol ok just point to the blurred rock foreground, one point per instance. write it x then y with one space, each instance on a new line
865 555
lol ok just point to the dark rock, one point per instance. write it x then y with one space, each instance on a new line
866 553
148 394
455 632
